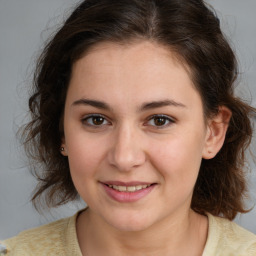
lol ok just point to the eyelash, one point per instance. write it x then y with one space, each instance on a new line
85 120
164 118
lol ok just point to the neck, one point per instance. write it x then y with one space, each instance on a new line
182 235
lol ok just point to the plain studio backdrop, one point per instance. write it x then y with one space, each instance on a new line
24 27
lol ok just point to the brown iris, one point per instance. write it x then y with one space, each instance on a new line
97 120
159 121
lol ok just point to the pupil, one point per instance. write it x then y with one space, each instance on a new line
98 120
159 121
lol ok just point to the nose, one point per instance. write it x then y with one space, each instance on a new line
127 151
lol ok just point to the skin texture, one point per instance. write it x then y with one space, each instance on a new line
127 144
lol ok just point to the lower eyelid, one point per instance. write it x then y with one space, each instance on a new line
168 119
163 116
87 117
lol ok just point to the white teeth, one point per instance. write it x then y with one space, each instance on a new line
128 188
120 188
131 189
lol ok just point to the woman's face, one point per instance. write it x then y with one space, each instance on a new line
135 134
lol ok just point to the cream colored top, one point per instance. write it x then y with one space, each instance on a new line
225 238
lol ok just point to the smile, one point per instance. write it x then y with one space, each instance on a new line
128 188
127 192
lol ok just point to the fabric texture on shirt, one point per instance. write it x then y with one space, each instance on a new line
225 238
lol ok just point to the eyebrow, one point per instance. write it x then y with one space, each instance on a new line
144 107
93 103
161 103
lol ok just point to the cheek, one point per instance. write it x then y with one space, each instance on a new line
84 160
179 159
84 156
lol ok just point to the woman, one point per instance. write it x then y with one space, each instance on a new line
133 110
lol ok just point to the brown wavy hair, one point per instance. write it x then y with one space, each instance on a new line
190 29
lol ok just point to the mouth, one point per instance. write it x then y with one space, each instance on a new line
126 192
128 188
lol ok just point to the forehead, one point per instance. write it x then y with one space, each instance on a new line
132 71
138 49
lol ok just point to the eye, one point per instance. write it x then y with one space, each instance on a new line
95 120
160 121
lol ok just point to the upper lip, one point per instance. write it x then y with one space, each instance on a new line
127 184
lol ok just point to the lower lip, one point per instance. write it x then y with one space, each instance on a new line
128 197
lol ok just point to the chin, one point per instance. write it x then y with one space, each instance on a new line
131 223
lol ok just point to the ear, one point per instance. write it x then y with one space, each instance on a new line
63 148
216 132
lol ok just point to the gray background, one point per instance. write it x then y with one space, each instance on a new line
24 26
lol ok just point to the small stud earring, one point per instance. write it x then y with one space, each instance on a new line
62 149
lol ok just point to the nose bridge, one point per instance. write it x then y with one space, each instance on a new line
127 151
